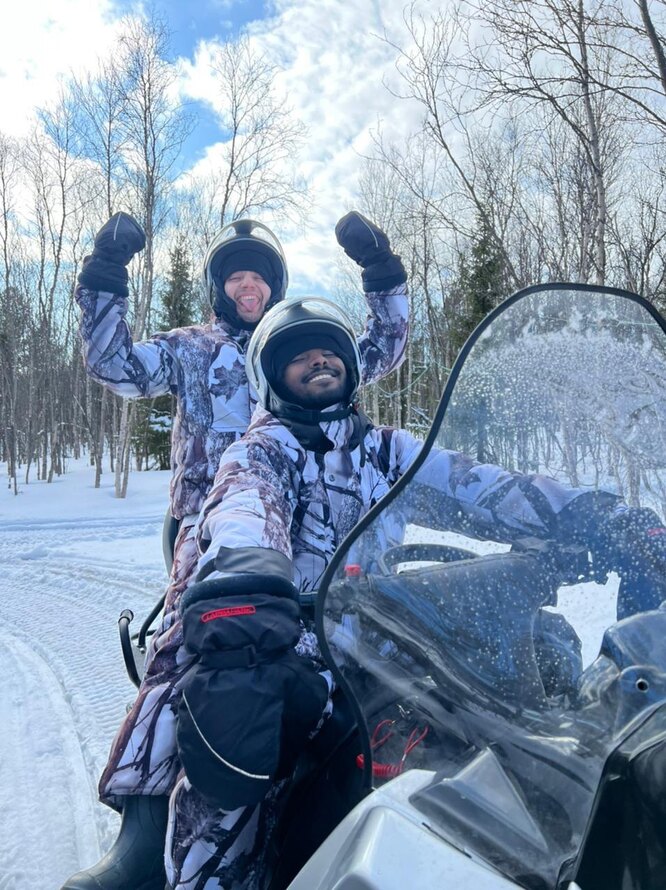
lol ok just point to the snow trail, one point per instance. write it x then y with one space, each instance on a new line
63 583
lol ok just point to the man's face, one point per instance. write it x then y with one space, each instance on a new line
249 292
315 378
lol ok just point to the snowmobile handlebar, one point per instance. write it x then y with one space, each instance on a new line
124 621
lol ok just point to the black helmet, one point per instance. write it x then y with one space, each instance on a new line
293 327
257 249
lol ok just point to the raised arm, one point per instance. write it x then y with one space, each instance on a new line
128 369
382 345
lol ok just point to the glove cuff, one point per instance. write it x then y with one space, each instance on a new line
385 274
102 275
260 623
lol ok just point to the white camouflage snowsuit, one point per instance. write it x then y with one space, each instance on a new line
297 505
204 367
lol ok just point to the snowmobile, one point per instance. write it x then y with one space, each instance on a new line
488 756
469 745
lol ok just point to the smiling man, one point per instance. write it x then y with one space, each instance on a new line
308 469
311 365
316 377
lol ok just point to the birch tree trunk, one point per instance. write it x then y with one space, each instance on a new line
101 433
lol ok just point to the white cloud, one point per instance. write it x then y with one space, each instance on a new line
40 42
334 67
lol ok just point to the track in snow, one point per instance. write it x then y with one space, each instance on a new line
62 587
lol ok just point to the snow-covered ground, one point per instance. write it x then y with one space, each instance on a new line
71 558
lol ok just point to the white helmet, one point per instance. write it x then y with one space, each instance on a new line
292 327
244 244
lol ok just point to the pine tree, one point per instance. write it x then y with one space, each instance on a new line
481 285
178 297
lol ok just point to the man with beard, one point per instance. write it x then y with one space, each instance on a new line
285 495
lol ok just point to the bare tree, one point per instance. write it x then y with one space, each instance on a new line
402 190
99 100
256 164
58 189
635 34
11 330
638 235
153 132
550 53
431 69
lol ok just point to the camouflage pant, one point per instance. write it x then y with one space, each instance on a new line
210 849
143 758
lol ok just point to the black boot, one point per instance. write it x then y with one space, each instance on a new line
136 860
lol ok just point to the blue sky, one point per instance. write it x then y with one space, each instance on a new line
198 20
333 65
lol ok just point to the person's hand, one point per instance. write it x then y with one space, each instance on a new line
633 538
116 243
369 246
632 542
119 239
362 240
249 702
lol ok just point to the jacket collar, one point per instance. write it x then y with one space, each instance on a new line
347 433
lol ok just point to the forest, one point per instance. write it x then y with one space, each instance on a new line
539 156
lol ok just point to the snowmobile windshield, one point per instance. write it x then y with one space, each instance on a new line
463 614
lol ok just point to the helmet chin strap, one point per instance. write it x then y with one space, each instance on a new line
309 416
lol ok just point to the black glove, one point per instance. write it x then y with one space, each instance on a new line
368 246
632 542
250 703
116 243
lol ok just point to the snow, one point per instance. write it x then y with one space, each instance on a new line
71 558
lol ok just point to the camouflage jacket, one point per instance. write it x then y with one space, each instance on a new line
204 367
276 507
